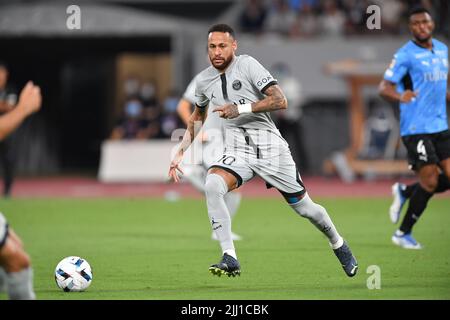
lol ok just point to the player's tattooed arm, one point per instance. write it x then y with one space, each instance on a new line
274 100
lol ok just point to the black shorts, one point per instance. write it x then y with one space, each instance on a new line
427 148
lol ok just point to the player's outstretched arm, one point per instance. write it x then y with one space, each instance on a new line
387 90
29 102
195 123
184 110
274 100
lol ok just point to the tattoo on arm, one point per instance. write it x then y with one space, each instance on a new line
275 100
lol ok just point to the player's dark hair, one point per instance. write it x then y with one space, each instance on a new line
416 10
221 27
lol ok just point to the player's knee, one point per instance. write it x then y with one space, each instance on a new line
215 186
22 262
430 183
308 209
13 258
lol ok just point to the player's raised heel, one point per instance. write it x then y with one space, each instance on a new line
227 266
398 200
347 260
406 241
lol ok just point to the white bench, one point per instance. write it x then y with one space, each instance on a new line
135 160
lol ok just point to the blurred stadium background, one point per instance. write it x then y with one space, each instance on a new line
146 52
135 57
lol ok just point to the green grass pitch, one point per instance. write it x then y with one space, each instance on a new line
154 249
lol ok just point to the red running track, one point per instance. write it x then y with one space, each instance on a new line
91 188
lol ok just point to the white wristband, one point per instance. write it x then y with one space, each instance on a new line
245 108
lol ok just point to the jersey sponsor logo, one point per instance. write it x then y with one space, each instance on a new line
436 75
236 85
421 55
425 63
264 81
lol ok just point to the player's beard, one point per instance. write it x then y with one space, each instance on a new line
224 64
422 39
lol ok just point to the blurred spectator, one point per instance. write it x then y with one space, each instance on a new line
131 87
170 119
133 125
356 16
280 18
300 18
147 94
253 17
289 121
298 5
8 100
332 21
391 13
305 24
151 108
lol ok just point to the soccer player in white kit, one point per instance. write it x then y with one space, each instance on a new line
243 92
211 149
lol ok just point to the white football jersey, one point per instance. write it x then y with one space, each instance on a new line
213 121
244 81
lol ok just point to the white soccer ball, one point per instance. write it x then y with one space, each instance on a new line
73 274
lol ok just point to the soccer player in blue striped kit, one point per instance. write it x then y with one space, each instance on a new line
243 93
417 79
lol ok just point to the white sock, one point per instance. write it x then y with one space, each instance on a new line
233 200
2 280
216 188
318 217
20 285
338 244
231 252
